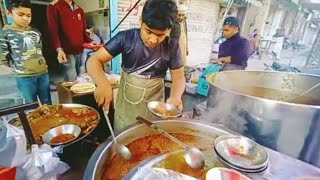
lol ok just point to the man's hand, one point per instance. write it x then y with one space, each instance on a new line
62 58
103 96
176 102
226 59
215 61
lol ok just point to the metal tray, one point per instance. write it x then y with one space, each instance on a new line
81 136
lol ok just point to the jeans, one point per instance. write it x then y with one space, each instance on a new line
72 67
34 86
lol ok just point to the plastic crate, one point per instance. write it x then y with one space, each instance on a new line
7 173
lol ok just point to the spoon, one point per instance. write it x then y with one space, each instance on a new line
121 149
306 92
193 157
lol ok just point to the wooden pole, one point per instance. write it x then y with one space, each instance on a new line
20 110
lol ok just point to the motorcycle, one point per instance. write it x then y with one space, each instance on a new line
276 66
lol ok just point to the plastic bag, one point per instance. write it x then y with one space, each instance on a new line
159 174
13 146
43 164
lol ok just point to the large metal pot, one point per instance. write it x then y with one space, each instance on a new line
106 151
290 128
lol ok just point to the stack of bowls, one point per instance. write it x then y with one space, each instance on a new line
241 154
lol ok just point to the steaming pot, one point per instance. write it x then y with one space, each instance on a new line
260 99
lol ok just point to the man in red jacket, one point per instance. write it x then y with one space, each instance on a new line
67 29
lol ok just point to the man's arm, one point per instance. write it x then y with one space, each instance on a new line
52 17
53 26
177 87
226 59
177 75
103 92
87 38
221 59
4 50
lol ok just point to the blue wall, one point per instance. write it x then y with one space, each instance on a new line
115 63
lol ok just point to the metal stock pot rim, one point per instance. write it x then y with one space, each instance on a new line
264 99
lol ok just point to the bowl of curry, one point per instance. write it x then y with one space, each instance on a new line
47 117
163 109
61 135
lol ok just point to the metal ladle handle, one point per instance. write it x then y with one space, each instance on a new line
109 126
306 92
155 127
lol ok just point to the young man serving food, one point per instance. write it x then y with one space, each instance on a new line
147 53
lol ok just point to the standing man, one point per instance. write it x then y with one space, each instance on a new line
67 28
179 31
147 53
235 51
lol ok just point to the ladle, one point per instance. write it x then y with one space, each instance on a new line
306 92
121 149
193 157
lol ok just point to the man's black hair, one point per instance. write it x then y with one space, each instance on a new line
159 14
18 3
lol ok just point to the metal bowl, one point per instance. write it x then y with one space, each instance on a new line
152 105
63 129
225 174
241 152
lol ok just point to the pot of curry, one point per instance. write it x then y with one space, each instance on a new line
145 143
268 107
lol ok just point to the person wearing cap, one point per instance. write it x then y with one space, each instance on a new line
179 31
235 51
147 54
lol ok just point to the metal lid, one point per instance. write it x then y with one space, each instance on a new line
241 152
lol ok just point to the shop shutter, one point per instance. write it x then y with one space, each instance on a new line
132 21
202 19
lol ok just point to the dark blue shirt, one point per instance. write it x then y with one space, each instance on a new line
237 48
136 56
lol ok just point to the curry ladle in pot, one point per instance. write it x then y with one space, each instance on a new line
305 93
193 157
121 149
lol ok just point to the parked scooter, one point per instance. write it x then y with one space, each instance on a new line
276 66
288 43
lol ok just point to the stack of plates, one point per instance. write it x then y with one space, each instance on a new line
241 154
